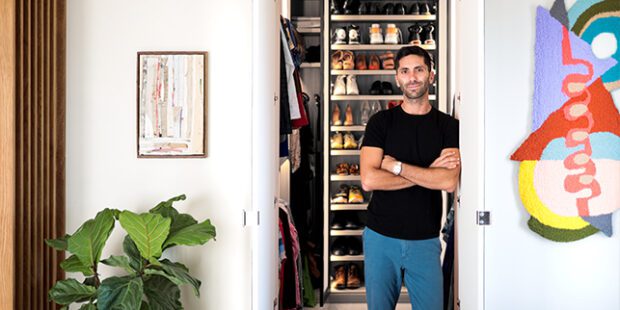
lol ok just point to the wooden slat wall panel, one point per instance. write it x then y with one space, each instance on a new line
40 148
7 152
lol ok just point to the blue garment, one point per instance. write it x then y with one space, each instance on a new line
388 261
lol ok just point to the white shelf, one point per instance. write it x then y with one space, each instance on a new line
357 232
376 47
348 128
344 152
349 207
347 258
303 30
316 65
363 72
314 18
372 97
346 178
381 18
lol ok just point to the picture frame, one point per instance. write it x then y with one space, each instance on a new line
172 104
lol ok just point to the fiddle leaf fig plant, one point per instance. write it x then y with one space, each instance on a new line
150 281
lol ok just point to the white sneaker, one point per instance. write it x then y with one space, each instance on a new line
340 36
352 88
340 88
392 34
376 37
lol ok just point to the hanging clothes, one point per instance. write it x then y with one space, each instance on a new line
290 269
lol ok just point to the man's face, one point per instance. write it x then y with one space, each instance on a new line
413 76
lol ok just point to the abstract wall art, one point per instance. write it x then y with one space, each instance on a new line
172 104
569 172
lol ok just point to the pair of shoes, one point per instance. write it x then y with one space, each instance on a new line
368 110
417 32
347 7
375 62
348 194
349 35
339 141
347 169
346 246
346 85
347 276
348 116
422 9
393 35
381 88
343 60
346 221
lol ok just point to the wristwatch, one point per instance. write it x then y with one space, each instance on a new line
398 167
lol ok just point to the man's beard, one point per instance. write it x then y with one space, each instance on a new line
415 94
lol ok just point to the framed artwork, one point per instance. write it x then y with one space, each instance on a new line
172 104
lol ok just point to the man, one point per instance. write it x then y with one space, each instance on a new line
409 155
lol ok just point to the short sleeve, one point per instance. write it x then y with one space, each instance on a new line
451 134
375 132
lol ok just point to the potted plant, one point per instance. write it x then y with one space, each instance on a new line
150 281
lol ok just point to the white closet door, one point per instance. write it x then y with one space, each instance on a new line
263 218
469 50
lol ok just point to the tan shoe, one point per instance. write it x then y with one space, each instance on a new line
340 275
348 116
336 116
348 60
353 277
336 141
349 141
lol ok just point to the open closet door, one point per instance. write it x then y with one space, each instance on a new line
265 128
469 98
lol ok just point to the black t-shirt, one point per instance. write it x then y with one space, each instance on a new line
412 213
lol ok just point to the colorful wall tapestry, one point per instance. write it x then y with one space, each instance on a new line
569 175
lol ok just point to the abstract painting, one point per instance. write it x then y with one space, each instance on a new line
172 104
569 172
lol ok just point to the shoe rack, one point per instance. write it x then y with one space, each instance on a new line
336 236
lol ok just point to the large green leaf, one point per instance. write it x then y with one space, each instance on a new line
165 208
68 291
162 293
59 244
130 248
181 221
88 307
120 293
73 264
119 261
147 230
87 243
196 234
179 272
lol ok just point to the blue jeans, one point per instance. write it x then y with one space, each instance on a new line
387 261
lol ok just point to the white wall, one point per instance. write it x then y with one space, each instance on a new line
102 168
523 270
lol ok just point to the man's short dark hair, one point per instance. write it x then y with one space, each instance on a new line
414 50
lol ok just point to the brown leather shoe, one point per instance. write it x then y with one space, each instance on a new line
360 62
340 275
373 63
353 277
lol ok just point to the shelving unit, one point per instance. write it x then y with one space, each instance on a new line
333 157
376 47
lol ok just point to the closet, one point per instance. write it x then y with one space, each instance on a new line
347 76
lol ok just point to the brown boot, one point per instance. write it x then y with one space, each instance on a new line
340 275
353 277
